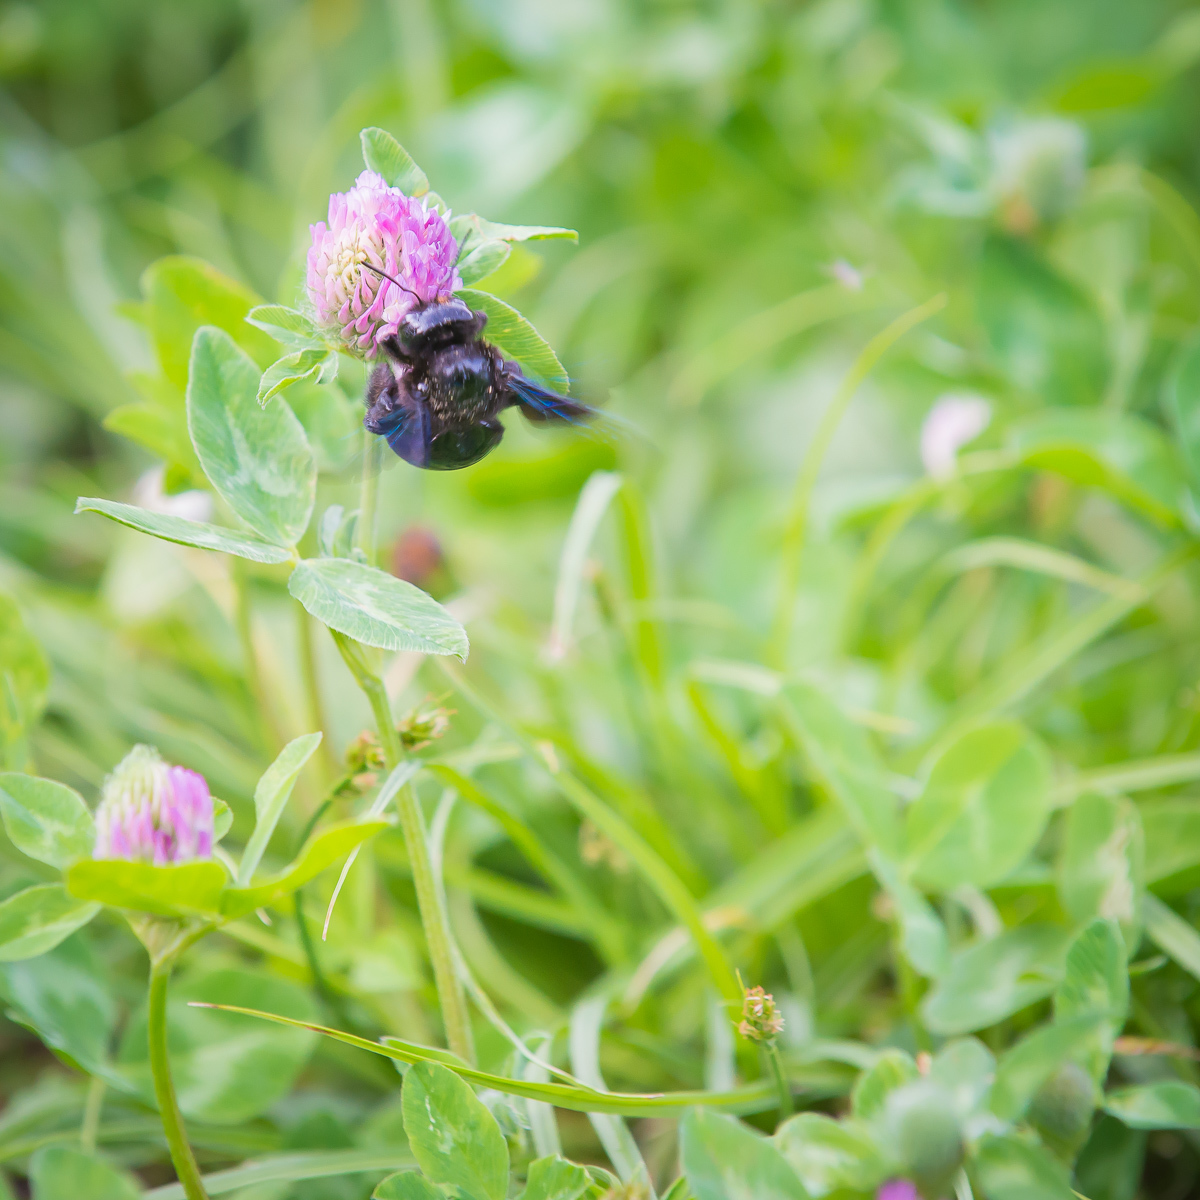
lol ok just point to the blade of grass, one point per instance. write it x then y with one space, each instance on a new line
587 1021
806 479
605 931
293 1168
756 1097
666 884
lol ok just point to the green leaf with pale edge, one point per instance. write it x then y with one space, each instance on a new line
65 997
37 919
754 1097
257 458
470 230
407 1185
1009 1167
892 1069
982 810
46 820
322 850
183 532
222 819
517 339
376 608
64 1173
383 154
829 1154
995 978
188 889
286 325
482 260
554 1178
270 797
1169 1104
726 1160
451 1133
317 364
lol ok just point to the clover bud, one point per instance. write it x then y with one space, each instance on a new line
152 812
1062 1108
364 761
375 231
956 419
923 1133
1038 170
426 723
761 1019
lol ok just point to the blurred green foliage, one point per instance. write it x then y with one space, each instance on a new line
985 729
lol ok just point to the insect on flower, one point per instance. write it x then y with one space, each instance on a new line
152 812
381 274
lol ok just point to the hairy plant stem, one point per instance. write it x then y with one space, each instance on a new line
164 1088
792 549
775 1065
455 1016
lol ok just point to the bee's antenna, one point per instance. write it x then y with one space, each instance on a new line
395 281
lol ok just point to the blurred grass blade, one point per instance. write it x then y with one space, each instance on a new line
1172 934
593 503
587 1022
670 889
270 797
292 1168
1045 560
1029 667
796 526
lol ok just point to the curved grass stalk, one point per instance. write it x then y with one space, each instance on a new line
750 1098
797 522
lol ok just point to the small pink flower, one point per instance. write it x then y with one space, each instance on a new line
377 225
152 812
956 419
898 1189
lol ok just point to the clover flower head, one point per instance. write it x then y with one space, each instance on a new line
956 419
152 812
898 1189
374 225
761 1019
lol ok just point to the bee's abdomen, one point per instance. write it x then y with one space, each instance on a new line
460 384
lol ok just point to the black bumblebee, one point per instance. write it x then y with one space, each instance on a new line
438 399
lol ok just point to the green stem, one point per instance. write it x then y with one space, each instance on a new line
243 617
810 467
455 1016
312 689
91 1115
368 497
164 1089
775 1063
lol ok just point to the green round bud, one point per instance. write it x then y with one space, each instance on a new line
922 1127
1063 1106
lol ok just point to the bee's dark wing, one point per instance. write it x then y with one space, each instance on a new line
539 404
407 431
